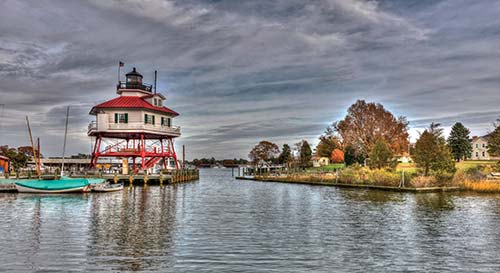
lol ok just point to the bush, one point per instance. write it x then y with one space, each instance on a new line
423 181
356 174
384 178
337 156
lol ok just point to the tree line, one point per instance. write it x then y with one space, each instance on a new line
370 134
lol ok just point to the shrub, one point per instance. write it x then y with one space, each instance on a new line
423 181
384 178
337 156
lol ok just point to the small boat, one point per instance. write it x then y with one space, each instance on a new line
107 187
52 186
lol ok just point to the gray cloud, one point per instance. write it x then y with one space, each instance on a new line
241 71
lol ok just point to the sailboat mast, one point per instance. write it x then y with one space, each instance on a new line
1 119
64 145
33 147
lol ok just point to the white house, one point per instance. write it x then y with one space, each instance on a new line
480 149
320 161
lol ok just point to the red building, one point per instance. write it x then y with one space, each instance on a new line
4 164
135 126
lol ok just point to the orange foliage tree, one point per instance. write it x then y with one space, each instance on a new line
337 156
365 123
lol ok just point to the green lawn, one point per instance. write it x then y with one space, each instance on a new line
464 165
331 167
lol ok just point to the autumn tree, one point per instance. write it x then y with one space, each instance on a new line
327 143
18 159
431 152
459 142
381 155
365 123
337 156
264 152
494 140
286 155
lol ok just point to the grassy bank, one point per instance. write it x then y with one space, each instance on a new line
470 175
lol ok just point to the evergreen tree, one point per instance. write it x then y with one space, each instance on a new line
459 142
351 156
381 155
432 153
494 141
286 155
305 154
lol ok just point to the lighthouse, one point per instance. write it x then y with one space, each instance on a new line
136 126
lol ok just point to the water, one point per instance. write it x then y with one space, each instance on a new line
222 225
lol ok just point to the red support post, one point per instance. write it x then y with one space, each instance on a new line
143 152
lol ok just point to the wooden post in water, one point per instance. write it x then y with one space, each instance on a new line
183 157
131 181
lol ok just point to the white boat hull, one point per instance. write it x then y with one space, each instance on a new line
31 190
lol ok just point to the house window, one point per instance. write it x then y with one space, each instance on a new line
477 154
149 119
121 117
484 154
477 145
484 145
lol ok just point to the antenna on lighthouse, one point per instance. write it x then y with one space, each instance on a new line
156 76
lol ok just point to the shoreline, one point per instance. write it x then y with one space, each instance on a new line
362 186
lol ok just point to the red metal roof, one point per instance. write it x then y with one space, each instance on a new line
4 158
132 102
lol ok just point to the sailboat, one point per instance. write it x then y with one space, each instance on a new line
62 185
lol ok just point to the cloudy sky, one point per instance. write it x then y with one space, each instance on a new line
242 71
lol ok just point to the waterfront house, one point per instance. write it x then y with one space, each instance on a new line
319 161
4 164
480 148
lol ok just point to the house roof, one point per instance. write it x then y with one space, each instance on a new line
132 102
4 157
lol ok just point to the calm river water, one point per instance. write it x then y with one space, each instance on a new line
222 225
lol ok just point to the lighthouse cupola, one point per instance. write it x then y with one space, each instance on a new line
134 77
134 82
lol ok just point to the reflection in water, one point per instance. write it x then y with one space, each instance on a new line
222 225
128 238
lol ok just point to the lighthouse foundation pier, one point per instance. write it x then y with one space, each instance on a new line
166 177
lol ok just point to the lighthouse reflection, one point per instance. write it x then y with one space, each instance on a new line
130 227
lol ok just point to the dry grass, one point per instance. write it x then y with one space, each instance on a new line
423 181
482 185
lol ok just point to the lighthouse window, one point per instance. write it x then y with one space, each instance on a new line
121 117
149 119
165 122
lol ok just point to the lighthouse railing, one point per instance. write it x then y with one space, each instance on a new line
137 126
